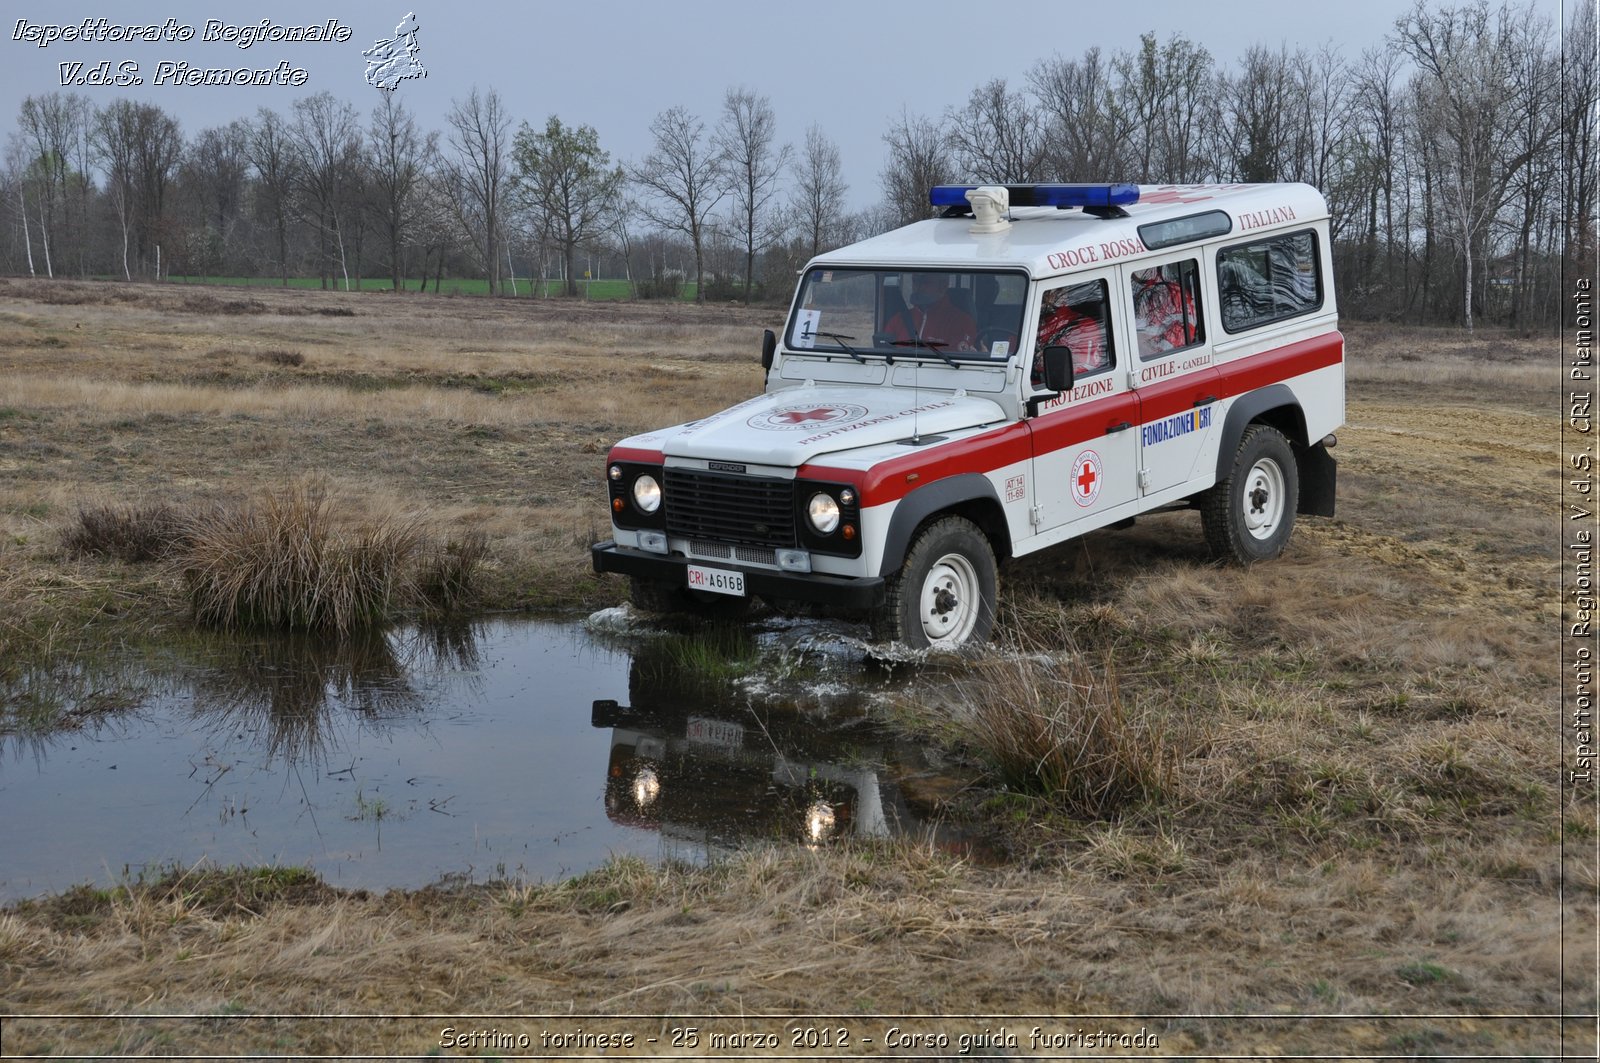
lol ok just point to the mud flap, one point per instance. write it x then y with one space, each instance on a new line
1319 475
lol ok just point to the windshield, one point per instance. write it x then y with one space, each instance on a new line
949 314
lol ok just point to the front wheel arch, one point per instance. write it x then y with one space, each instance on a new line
969 496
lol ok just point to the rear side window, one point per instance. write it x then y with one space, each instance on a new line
1269 279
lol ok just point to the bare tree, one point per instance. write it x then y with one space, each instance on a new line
1257 116
215 170
919 158
998 137
1466 59
1378 116
55 129
747 140
396 169
140 145
818 188
477 171
273 158
1081 138
568 182
328 145
683 181
1159 95
1580 94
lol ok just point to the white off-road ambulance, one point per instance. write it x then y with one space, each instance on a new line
1040 361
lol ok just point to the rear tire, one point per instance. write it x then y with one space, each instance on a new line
945 593
1249 516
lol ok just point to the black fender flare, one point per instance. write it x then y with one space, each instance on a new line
1318 471
1247 409
923 503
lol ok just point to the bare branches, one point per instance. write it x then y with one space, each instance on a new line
683 180
746 139
476 171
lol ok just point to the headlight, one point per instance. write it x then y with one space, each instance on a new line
820 821
646 787
647 494
823 512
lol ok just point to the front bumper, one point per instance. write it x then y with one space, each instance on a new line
837 591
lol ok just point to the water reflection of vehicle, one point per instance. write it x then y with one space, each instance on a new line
715 781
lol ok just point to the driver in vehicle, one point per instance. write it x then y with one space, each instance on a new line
933 318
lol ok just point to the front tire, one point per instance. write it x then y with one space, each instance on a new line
945 593
1249 516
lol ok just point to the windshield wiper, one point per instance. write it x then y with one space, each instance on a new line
840 340
932 345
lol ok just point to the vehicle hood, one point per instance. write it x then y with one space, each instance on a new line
791 427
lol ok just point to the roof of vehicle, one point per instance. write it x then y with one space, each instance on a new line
1046 241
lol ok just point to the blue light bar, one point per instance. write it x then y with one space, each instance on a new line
1063 196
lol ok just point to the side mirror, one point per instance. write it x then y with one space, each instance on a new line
1058 369
769 347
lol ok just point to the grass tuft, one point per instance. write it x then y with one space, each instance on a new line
449 578
281 562
131 533
287 359
1060 730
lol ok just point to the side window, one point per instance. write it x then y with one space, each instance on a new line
1166 307
1268 280
1075 316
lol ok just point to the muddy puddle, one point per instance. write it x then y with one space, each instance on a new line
508 749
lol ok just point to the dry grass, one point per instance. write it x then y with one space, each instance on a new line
130 533
886 930
281 562
1059 728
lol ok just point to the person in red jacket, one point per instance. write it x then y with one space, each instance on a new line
933 317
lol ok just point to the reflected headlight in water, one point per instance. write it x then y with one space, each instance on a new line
819 821
646 787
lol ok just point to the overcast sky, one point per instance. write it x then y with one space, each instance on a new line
849 65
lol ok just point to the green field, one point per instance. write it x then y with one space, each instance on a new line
600 290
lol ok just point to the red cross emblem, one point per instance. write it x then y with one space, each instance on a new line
821 413
1086 478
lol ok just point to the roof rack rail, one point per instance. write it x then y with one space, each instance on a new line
1100 200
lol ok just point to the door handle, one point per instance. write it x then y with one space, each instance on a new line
1114 428
1205 400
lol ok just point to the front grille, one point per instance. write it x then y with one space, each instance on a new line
753 555
735 509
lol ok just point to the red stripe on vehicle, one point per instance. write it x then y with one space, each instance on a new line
644 457
1238 377
1281 363
892 480
1068 427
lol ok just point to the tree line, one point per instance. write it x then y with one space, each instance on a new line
1459 160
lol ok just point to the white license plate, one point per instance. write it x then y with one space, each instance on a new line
716 580
715 732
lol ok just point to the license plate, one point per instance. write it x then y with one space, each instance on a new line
716 580
715 732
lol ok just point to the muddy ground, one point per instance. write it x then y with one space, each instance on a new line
1365 819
